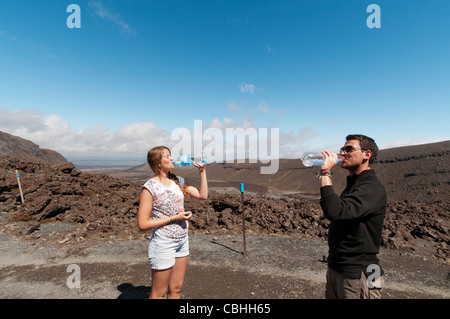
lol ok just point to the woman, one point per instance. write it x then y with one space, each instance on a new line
161 208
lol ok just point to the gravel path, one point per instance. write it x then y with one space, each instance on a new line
274 267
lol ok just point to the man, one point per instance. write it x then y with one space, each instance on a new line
356 221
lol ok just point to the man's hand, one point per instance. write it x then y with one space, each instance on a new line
330 160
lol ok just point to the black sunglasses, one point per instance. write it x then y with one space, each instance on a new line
349 148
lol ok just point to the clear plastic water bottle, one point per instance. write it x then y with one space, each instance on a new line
199 159
310 159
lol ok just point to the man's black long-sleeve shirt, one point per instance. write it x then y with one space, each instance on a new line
356 223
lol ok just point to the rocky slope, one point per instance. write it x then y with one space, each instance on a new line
26 150
102 206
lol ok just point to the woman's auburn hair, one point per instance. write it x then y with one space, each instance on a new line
154 157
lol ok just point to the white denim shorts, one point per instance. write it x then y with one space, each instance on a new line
162 251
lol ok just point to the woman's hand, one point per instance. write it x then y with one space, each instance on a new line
182 216
201 167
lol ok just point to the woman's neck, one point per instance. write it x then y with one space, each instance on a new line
163 177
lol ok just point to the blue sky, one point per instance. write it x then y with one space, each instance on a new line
137 70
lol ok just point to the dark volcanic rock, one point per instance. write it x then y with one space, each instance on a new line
101 206
63 193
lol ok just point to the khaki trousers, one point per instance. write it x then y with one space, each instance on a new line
340 287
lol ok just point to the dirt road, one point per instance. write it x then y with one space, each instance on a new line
274 267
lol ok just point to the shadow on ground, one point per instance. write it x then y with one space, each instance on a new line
129 291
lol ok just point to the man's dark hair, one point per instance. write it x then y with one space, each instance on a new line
366 143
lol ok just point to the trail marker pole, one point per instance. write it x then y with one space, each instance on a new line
243 215
20 186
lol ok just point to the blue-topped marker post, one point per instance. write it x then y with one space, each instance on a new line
243 216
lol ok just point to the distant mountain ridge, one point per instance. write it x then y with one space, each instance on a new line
414 173
28 151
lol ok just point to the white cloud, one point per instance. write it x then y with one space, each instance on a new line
215 123
109 14
302 136
234 107
29 119
265 108
250 111
135 139
291 144
247 88
230 123
53 132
